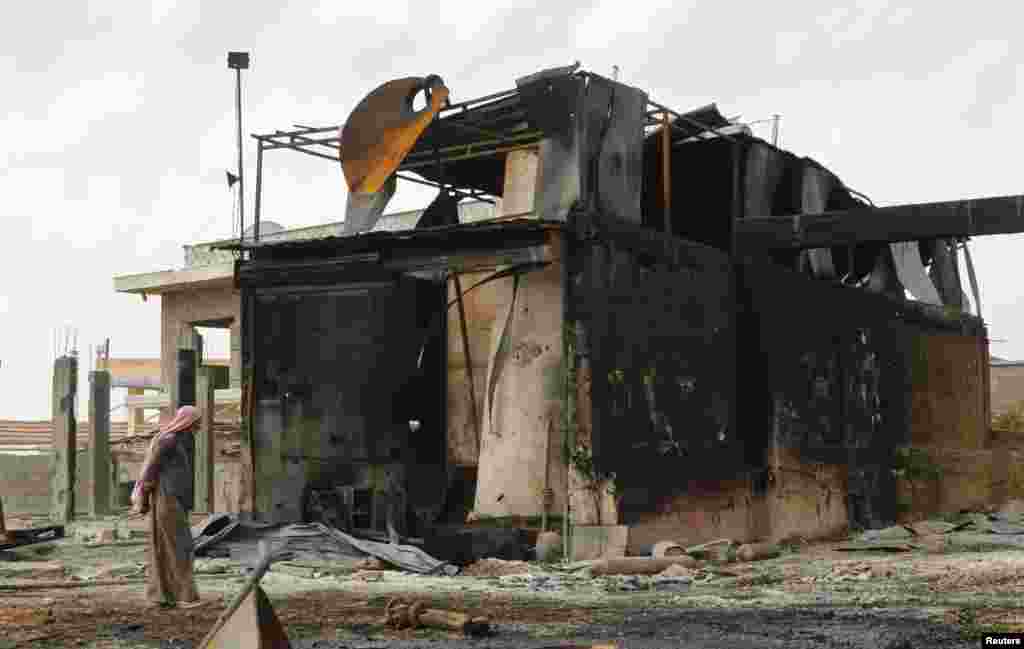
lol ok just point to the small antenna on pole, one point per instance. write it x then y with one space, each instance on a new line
615 73
775 130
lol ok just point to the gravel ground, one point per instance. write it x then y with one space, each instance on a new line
945 593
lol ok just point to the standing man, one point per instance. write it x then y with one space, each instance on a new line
164 490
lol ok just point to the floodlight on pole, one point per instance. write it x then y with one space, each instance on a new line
239 61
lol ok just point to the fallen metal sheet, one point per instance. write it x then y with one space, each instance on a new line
18 538
910 271
313 542
213 530
406 557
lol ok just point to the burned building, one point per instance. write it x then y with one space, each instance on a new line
669 325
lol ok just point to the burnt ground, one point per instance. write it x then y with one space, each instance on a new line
946 593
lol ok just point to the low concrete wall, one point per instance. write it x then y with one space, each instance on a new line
25 483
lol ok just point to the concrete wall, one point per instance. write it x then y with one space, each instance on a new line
950 392
25 483
181 308
521 437
1007 387
950 425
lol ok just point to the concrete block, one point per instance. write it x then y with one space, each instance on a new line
106 535
549 546
599 542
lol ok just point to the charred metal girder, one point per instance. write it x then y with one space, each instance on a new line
952 219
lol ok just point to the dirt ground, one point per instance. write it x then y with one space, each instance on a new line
946 592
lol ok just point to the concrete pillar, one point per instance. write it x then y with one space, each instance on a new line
185 379
188 340
521 169
521 451
205 445
235 371
115 484
99 442
62 467
136 416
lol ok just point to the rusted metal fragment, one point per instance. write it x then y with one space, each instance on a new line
402 615
363 209
383 128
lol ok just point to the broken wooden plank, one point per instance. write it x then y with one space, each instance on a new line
910 222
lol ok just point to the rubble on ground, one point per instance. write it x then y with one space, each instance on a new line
497 568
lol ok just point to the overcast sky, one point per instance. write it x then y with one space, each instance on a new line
117 122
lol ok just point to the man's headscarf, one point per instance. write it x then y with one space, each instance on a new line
184 419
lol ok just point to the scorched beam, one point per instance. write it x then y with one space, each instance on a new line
953 219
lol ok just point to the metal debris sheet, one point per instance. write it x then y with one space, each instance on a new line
313 541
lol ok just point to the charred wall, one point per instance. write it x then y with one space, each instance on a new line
708 379
336 382
841 371
659 342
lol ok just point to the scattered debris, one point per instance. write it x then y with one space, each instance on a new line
313 541
402 615
212 566
757 551
640 565
676 570
549 546
932 528
18 538
24 616
120 570
463 546
497 568
664 549
534 582
371 563
894 533
32 570
720 549
673 583
876 546
106 536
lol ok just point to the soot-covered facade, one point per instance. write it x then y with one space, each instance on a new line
607 348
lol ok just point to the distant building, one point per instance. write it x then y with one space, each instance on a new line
1007 384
